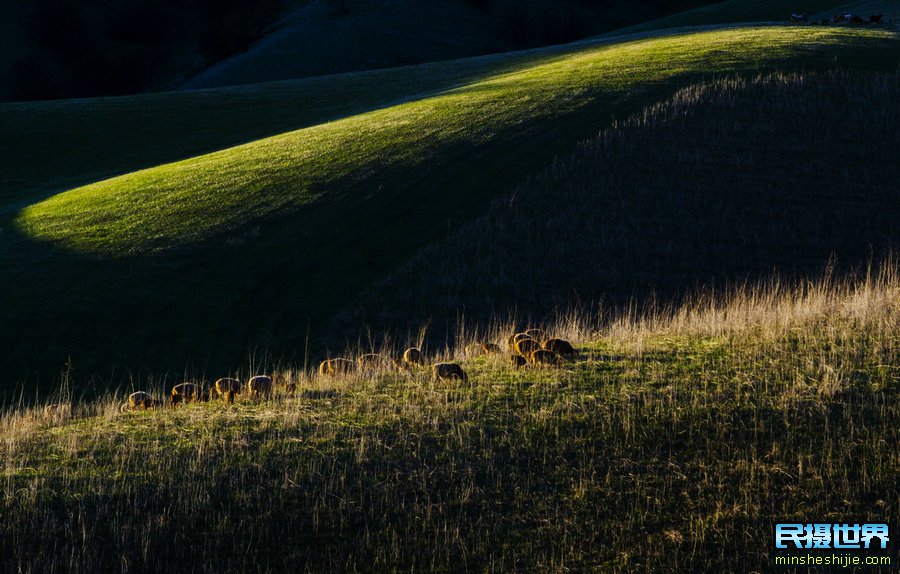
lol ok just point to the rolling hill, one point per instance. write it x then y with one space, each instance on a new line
727 180
741 11
706 209
252 249
321 38
57 49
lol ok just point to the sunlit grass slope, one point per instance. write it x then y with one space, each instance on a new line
673 443
52 146
265 242
177 204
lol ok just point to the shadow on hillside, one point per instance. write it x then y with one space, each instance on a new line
739 179
724 183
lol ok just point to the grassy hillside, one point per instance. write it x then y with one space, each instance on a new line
181 203
672 444
732 178
264 242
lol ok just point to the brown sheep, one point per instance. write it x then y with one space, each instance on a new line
336 366
518 360
138 399
536 334
491 348
560 347
449 371
413 356
260 386
525 346
227 385
141 400
544 357
518 337
185 393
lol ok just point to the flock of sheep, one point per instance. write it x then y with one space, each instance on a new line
530 347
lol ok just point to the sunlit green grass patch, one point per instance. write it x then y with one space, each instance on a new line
188 201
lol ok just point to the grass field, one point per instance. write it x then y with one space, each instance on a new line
673 443
265 241
706 209
181 203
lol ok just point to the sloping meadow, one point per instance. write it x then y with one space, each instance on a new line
727 180
673 443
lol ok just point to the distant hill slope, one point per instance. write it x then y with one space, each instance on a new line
56 49
726 180
321 38
741 11
890 9
265 242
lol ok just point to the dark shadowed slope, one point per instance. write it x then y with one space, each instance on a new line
726 180
320 38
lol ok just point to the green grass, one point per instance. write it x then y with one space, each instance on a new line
180 203
265 242
672 444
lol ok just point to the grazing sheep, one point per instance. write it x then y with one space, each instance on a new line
57 411
491 348
260 386
518 360
186 393
336 366
227 385
536 334
544 357
449 371
525 346
413 356
560 347
140 400
515 339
